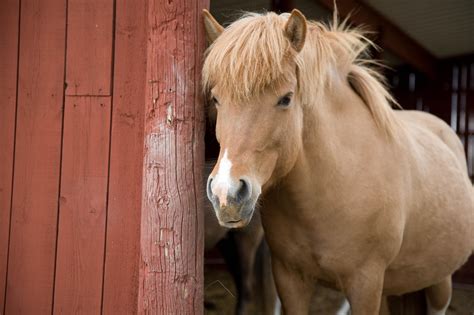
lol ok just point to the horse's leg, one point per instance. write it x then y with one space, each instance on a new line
438 297
270 303
384 309
364 290
247 242
294 290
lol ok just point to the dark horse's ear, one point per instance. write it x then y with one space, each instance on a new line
213 28
295 29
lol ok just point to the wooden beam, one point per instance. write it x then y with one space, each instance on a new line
172 221
392 37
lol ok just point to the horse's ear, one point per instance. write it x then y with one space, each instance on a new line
295 29
213 28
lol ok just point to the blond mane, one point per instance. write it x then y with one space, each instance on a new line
253 54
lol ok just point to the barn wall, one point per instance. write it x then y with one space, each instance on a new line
9 16
74 90
37 157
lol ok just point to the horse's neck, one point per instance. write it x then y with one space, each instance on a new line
341 123
339 138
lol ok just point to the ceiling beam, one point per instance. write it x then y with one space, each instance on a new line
391 37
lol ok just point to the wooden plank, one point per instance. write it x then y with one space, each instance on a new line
37 157
9 15
171 258
82 211
126 168
89 47
392 37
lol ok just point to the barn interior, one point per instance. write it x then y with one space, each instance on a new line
428 47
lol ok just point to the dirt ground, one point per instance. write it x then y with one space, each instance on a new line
221 297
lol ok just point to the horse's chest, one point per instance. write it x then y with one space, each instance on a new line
311 264
301 253
317 252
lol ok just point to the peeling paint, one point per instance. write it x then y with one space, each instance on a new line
169 115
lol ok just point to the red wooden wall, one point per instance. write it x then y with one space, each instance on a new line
74 93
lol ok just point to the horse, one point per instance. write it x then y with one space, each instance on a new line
356 195
249 242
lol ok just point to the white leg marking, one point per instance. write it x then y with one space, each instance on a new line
344 309
433 311
277 309
222 180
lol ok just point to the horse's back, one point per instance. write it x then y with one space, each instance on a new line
439 128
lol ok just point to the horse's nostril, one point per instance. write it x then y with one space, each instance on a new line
244 190
209 188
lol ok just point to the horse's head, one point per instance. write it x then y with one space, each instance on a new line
251 75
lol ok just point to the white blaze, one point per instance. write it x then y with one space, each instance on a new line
222 181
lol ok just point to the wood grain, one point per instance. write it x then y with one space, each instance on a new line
37 157
171 269
89 47
9 15
126 168
82 211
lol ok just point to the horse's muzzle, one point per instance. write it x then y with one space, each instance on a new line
233 201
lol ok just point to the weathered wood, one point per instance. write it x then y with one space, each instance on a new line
9 15
37 157
89 47
126 157
82 211
392 37
171 264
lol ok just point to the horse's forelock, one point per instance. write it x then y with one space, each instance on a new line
250 56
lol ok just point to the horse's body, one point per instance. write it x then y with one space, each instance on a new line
423 229
369 200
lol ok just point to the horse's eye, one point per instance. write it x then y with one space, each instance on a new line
285 100
214 100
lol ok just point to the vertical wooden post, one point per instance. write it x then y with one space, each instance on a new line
171 236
